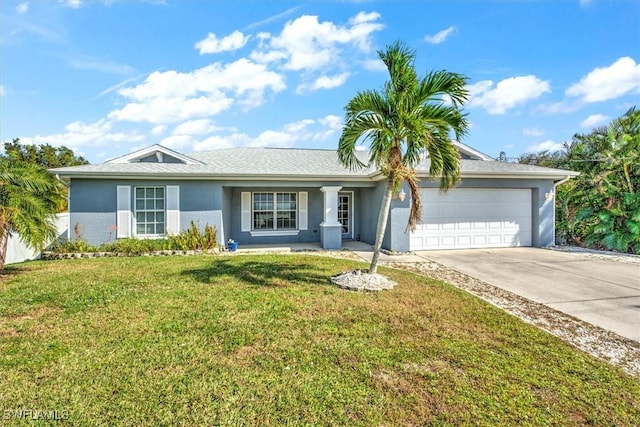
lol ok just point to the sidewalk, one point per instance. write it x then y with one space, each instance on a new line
365 251
361 249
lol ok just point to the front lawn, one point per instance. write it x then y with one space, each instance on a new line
266 340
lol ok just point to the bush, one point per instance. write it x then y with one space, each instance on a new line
192 239
75 246
133 246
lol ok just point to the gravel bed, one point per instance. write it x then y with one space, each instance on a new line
608 255
603 344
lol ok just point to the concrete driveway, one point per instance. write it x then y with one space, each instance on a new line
603 292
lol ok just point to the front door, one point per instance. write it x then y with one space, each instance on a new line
344 214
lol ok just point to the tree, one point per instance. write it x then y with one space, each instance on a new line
43 155
601 207
408 117
29 198
611 212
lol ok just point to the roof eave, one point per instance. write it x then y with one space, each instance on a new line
556 176
210 176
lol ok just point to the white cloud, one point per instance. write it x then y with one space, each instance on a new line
167 110
216 142
585 3
158 130
440 36
54 35
374 65
332 126
195 127
117 86
559 107
532 132
95 64
165 84
594 120
2 91
212 44
324 82
332 122
362 26
171 96
507 94
22 8
548 145
303 130
602 84
74 4
81 135
307 44
176 142
273 18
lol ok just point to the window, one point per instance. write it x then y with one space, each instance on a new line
274 211
343 212
149 211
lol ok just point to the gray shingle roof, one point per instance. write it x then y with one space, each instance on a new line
267 163
278 161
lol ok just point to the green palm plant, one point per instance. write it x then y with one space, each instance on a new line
29 200
408 117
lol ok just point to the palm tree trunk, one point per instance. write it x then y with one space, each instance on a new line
382 224
627 175
4 243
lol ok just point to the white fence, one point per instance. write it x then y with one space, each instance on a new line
19 252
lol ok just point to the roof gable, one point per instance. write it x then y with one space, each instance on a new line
470 153
155 154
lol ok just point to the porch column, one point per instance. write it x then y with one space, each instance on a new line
330 228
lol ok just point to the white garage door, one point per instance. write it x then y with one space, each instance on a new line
473 218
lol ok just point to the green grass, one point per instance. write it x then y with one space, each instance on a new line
266 340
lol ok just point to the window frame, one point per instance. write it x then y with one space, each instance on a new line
294 196
155 210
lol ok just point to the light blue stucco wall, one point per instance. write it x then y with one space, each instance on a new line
225 233
542 210
93 206
370 201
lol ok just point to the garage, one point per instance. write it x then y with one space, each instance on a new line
473 218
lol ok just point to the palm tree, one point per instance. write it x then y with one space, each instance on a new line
29 200
408 117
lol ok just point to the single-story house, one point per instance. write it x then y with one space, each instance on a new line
286 195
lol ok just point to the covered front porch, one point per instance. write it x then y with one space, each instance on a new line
323 216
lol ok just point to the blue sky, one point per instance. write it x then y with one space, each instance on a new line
108 77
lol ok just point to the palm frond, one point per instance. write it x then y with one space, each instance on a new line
441 86
29 199
408 117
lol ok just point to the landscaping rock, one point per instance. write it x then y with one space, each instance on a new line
362 280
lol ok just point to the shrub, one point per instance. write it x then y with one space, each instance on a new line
75 246
192 239
133 246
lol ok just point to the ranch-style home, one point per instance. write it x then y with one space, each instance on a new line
287 195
